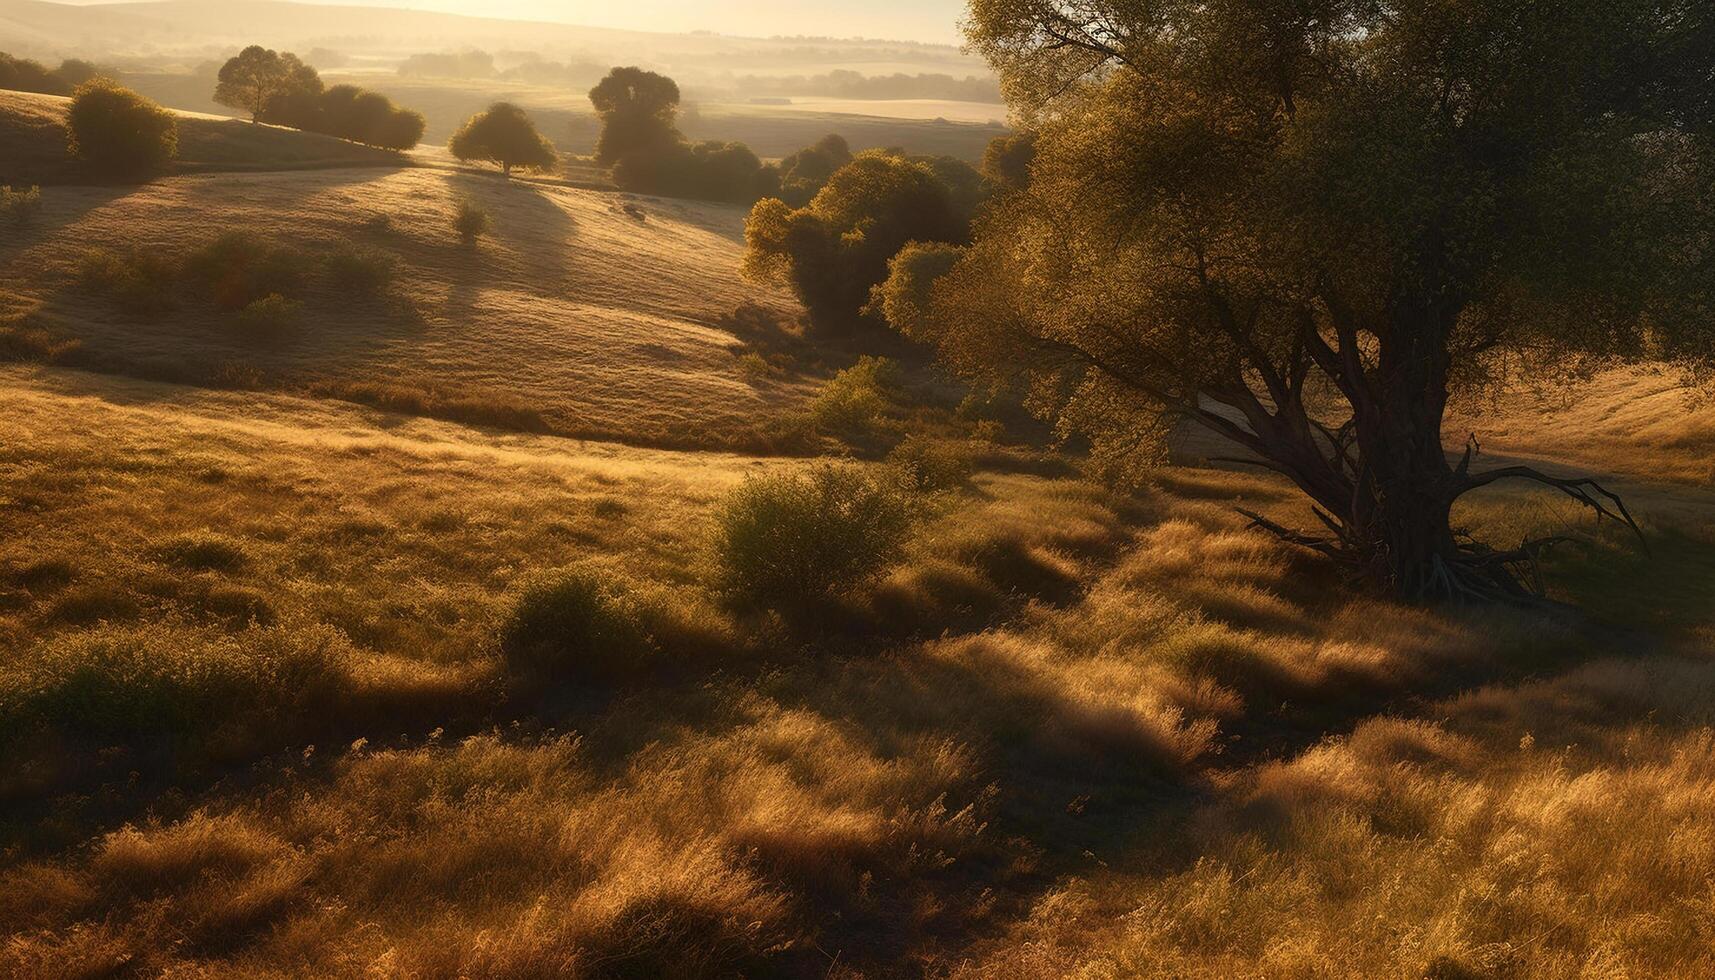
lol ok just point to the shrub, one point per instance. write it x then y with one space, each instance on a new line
126 682
794 541
928 464
471 221
237 269
139 283
269 316
854 400
120 132
20 208
576 624
361 271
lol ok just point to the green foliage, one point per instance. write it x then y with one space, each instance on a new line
365 117
19 209
257 77
835 250
238 268
359 270
505 136
927 464
139 283
854 401
119 132
471 221
578 625
1361 207
24 75
806 172
905 298
792 542
270 316
642 143
637 109
119 684
1007 160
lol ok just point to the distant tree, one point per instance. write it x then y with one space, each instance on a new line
804 173
24 75
1006 161
834 251
255 76
1305 226
75 72
638 110
118 131
504 135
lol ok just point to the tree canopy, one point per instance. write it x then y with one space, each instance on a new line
257 75
1306 224
637 109
834 250
505 136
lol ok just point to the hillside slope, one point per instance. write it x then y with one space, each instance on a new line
33 145
594 314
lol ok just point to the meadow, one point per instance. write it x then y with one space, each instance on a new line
264 571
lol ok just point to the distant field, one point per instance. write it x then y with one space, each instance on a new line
565 116
33 141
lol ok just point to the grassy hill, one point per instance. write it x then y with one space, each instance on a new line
582 313
33 145
264 711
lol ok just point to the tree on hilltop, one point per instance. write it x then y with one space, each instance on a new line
504 135
256 76
638 110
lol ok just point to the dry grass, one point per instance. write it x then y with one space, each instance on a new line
1109 766
590 321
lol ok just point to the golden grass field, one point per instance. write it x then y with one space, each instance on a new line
256 722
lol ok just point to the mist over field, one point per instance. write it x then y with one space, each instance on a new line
1003 489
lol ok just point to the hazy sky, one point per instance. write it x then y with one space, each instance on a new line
915 20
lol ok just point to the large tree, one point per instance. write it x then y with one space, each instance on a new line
637 110
1305 224
257 76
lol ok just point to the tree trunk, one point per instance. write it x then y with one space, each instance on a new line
506 170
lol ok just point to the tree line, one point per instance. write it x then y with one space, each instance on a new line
279 88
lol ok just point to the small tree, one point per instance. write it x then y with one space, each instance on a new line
256 76
118 131
833 251
504 135
637 110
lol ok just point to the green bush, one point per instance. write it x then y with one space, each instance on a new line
794 541
139 283
119 132
361 271
238 268
928 464
20 208
118 682
269 316
577 624
855 400
471 221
